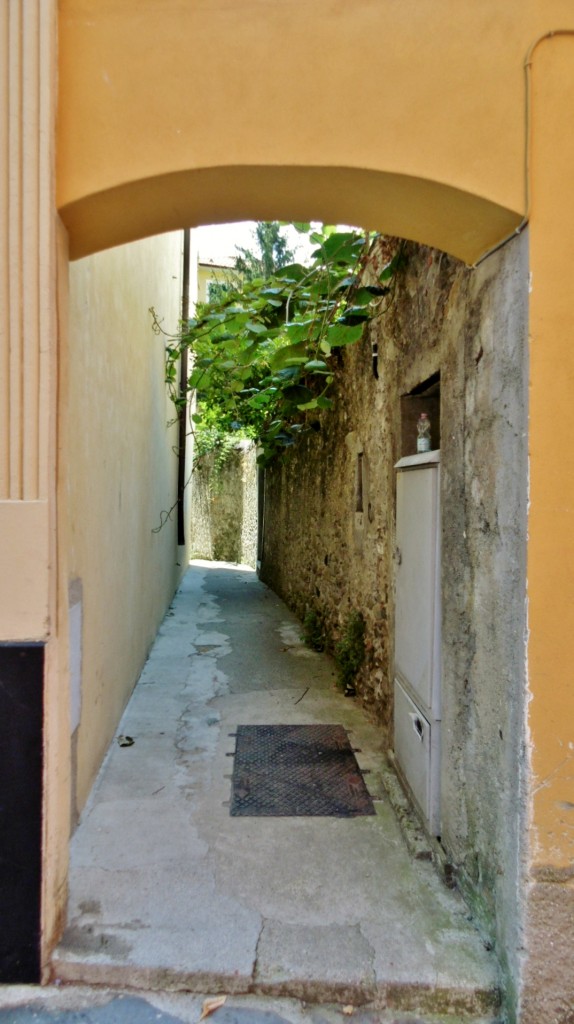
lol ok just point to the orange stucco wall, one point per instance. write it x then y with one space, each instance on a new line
408 117
551 547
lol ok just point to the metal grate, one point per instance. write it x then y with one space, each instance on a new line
295 771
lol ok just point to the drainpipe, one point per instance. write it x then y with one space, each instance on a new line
181 448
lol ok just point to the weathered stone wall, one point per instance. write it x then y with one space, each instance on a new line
320 553
224 507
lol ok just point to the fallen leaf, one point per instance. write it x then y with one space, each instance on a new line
211 1005
348 1010
125 741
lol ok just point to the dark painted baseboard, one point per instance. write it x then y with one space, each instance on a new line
21 718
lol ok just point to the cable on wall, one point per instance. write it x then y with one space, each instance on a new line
527 141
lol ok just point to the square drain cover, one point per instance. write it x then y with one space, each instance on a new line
296 771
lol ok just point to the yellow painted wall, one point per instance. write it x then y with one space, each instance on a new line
57 745
206 274
120 473
551 547
404 117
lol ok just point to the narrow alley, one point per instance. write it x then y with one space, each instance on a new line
169 891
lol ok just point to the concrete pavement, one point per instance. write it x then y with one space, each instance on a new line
170 893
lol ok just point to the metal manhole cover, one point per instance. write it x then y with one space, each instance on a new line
295 771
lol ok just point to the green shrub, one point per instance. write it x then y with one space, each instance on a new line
350 651
314 633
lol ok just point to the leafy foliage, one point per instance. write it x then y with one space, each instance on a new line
263 353
212 441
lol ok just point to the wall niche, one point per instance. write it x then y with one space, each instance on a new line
425 397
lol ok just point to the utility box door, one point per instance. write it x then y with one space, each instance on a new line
417 752
417 613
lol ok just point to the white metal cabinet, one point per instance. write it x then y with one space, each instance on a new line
417 749
417 631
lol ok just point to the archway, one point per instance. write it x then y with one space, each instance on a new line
437 264
427 96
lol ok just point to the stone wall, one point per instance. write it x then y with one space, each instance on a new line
321 553
224 507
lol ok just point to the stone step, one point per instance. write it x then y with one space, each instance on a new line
65 1005
472 1004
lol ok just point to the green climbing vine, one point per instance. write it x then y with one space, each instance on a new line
211 441
263 354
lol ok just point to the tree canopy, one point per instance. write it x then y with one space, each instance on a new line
272 252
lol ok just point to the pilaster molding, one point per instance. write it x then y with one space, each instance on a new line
28 322
27 258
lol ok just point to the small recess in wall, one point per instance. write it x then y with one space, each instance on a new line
425 397
375 354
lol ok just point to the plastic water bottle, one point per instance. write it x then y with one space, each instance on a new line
423 432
